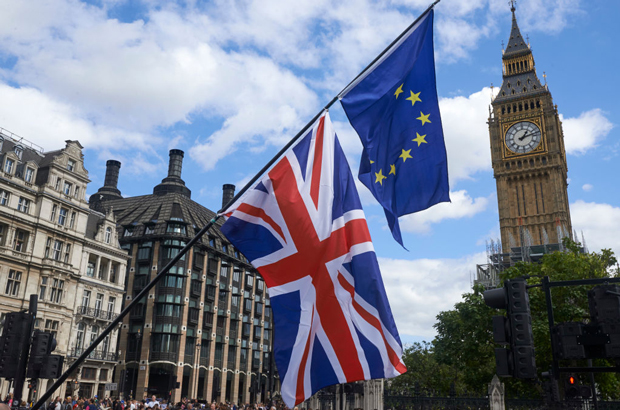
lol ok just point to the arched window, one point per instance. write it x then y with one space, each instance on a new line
108 234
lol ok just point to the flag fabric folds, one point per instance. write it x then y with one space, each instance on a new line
394 109
302 226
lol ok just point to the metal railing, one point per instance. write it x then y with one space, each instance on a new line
95 355
96 313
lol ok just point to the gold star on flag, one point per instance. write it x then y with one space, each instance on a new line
392 169
419 139
405 154
399 90
372 162
424 118
414 98
380 177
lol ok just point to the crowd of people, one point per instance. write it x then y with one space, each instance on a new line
153 403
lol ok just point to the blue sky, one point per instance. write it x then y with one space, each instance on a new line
229 82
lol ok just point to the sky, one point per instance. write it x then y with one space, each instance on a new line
229 82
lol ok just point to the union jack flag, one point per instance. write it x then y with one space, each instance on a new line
302 226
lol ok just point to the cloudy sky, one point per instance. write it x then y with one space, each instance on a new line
230 81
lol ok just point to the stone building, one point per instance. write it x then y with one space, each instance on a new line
205 330
529 164
48 236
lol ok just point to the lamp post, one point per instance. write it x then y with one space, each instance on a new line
197 369
135 373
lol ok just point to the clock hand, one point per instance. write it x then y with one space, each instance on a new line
523 136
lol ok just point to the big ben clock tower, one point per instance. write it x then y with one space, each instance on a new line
528 155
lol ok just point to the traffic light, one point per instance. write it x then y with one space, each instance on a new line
42 364
15 333
514 330
574 390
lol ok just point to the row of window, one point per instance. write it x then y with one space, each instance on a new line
67 188
107 269
20 239
86 297
60 215
10 167
54 250
23 204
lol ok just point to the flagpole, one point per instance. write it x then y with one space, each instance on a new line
204 230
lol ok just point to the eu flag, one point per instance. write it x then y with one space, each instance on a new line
394 108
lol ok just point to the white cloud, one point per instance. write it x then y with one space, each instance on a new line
462 206
586 131
46 122
419 289
466 133
587 187
600 224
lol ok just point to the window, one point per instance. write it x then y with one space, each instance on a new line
67 188
90 269
70 165
3 231
18 151
129 231
111 304
13 283
144 251
86 298
79 340
149 229
76 192
23 205
176 228
51 326
72 220
48 247
113 269
29 175
99 302
89 373
21 240
94 332
57 250
62 216
108 234
8 166
43 288
57 187
54 210
4 197
56 291
67 253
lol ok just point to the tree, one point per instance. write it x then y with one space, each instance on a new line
464 347
424 374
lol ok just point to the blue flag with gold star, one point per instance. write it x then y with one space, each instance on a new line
394 108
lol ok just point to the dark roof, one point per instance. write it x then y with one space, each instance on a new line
157 210
520 85
516 45
92 224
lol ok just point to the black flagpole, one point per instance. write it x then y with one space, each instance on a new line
204 230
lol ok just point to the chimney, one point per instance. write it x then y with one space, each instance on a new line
228 194
173 182
175 166
109 190
111 173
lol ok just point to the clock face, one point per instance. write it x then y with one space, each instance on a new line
523 137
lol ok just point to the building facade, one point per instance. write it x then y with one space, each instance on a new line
205 330
47 235
528 154
529 165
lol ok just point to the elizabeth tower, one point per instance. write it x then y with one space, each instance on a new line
528 155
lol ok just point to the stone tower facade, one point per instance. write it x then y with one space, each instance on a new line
528 154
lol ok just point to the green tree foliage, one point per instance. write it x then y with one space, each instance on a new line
463 350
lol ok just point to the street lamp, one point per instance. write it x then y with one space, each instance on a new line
197 368
135 373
